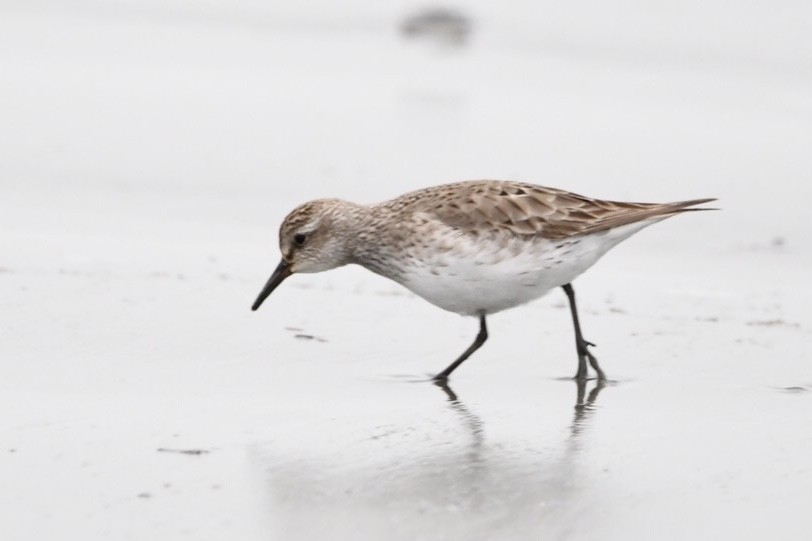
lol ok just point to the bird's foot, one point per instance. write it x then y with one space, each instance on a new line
582 347
584 356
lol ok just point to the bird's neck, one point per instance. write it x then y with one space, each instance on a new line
372 240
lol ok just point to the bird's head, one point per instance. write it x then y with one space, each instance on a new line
311 239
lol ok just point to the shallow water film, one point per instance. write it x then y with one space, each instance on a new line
150 150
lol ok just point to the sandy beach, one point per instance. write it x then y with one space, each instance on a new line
150 151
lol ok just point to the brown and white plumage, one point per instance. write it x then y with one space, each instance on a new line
529 210
474 248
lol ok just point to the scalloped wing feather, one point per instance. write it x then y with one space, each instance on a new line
529 210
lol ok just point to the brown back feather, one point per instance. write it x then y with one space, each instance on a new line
529 210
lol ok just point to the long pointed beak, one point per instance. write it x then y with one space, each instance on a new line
282 271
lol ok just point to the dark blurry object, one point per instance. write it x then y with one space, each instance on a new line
441 24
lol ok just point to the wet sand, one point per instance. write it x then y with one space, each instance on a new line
139 204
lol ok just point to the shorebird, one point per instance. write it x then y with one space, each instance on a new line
474 248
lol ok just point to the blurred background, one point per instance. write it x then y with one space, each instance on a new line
149 150
296 100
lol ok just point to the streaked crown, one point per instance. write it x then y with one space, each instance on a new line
311 238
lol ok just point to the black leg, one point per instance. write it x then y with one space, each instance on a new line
581 345
478 341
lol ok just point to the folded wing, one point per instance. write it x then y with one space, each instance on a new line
530 210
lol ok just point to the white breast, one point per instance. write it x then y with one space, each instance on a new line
474 276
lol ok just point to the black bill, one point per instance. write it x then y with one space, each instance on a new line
278 276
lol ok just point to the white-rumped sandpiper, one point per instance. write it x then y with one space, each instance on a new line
474 248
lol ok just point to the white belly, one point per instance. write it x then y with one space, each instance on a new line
483 276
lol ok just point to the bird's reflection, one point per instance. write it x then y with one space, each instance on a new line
584 408
585 404
436 482
471 421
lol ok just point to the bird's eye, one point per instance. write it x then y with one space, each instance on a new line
299 239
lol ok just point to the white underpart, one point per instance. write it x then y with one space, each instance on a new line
483 277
